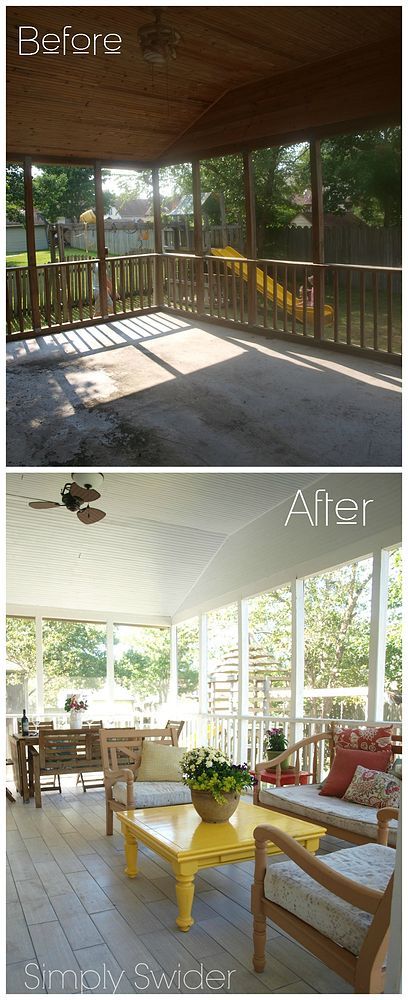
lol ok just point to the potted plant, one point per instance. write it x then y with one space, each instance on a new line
275 743
75 705
216 784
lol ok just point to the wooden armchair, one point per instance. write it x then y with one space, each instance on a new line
63 752
121 751
356 953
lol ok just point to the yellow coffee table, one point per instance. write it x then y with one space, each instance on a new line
177 834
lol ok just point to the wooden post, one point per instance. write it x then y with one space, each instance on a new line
317 236
243 681
198 236
250 215
30 237
100 240
158 240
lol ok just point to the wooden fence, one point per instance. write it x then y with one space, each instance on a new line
362 304
366 245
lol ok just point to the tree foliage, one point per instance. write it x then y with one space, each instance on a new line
58 192
15 193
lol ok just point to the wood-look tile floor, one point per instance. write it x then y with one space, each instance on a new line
71 907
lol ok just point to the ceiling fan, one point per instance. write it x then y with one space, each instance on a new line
74 496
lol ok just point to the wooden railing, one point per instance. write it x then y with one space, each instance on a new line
68 292
362 305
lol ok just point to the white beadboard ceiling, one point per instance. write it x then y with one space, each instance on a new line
160 533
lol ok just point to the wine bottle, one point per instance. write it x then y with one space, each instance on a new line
24 724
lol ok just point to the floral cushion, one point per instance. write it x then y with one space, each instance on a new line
288 885
363 738
373 788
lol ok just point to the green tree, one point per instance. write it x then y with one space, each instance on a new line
15 193
65 192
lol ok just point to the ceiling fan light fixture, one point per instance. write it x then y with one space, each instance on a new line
158 41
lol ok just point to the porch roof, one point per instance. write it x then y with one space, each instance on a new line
270 75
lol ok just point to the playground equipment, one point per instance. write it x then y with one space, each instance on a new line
273 289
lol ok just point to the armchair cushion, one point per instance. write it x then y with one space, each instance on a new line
152 793
290 887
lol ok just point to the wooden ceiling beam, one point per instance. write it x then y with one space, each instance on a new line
359 89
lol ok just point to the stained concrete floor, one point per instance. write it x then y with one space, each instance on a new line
162 390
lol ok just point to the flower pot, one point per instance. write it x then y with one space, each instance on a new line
75 719
271 754
211 811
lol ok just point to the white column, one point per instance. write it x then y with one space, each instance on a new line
298 659
110 667
39 664
203 664
173 679
243 681
378 635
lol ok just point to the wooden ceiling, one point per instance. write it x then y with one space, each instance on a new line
307 66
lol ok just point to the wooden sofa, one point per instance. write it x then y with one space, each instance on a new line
346 820
324 903
121 756
62 751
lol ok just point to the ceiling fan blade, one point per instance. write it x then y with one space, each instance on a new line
44 504
88 496
90 515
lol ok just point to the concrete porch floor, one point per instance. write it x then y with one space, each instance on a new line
168 391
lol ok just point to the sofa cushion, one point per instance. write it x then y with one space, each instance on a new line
152 793
344 765
160 762
305 801
290 887
373 788
363 738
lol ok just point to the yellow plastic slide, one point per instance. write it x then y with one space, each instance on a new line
270 286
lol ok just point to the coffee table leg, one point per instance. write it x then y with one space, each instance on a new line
185 896
130 853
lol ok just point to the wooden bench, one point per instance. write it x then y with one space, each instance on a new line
63 751
304 802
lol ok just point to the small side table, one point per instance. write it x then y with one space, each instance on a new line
288 777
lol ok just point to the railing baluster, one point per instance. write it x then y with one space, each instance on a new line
234 291
241 291
47 301
362 308
19 301
389 312
265 295
375 309
210 285
80 294
69 293
149 268
89 287
218 272
275 302
348 305
9 310
122 284
225 287
304 301
285 299
336 304
294 329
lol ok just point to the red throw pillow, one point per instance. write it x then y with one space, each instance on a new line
364 738
344 766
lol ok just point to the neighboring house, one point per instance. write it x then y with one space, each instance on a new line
331 219
16 240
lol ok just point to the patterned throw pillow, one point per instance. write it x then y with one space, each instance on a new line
344 766
373 788
368 738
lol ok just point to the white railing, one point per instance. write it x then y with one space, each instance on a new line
242 737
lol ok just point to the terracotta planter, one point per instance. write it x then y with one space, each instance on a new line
211 811
271 754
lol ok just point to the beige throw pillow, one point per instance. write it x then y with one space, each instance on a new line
160 762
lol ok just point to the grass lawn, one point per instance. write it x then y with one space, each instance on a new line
43 257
